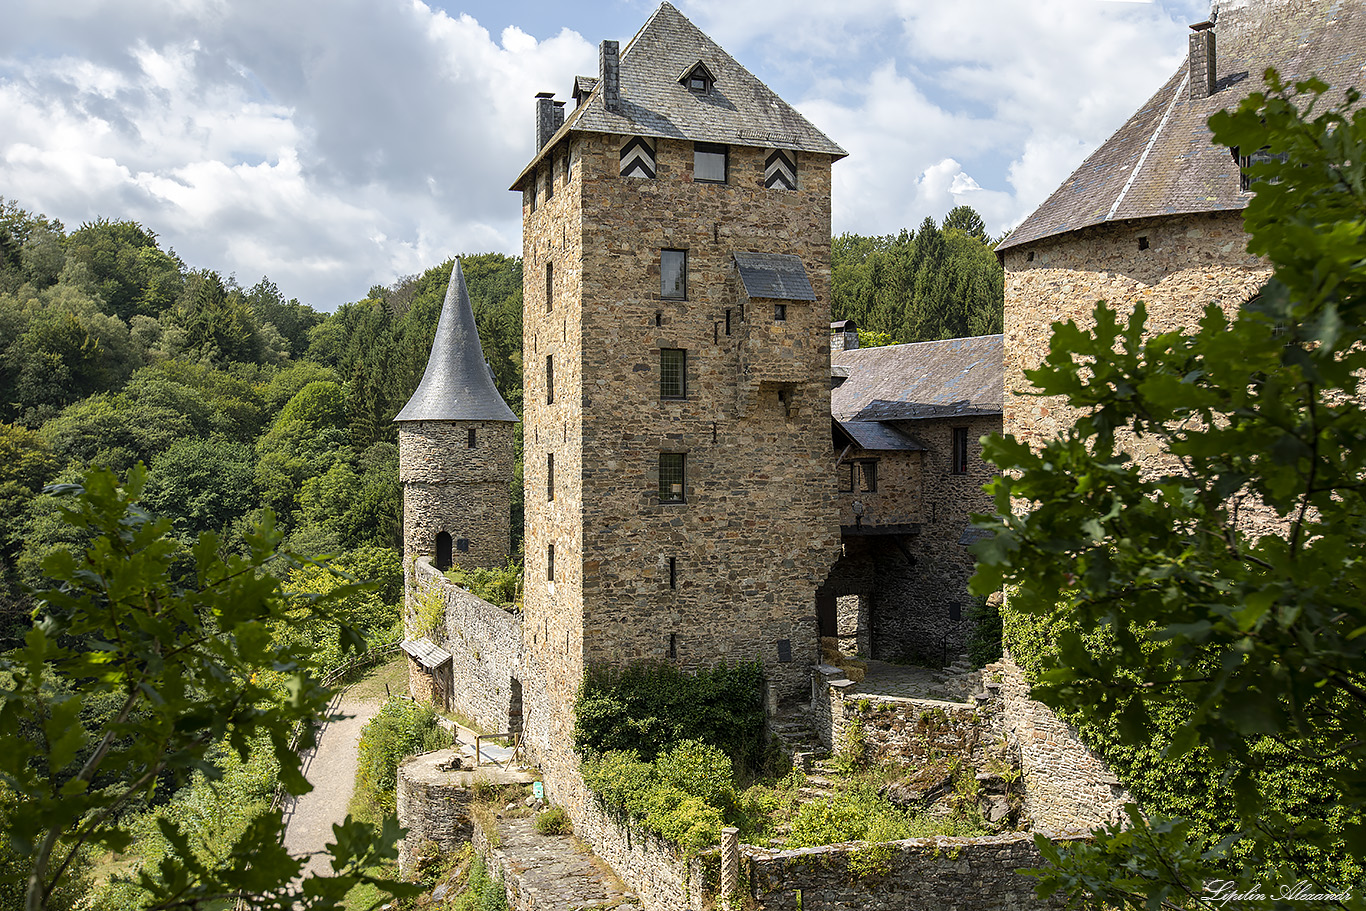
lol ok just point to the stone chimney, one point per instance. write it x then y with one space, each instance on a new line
1203 69
546 117
843 336
609 75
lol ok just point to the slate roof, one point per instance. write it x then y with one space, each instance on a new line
957 377
1163 161
778 276
457 384
877 437
739 110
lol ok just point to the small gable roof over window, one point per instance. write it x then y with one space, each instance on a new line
697 71
778 276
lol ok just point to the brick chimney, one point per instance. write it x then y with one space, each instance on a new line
609 75
545 117
843 336
1203 69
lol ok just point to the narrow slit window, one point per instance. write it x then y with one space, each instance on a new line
673 572
671 477
550 562
550 476
473 440
728 322
549 287
868 476
673 373
673 645
960 450
550 379
673 274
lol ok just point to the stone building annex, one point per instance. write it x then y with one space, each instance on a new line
714 473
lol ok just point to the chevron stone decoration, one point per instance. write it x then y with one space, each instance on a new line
779 171
638 158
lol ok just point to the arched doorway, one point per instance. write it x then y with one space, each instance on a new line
443 551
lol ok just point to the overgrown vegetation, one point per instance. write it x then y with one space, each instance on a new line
985 644
400 728
501 586
1218 664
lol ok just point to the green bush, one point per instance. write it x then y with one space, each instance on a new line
647 708
400 728
860 814
554 821
482 891
496 586
984 644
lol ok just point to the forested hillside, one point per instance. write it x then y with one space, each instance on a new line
115 351
941 281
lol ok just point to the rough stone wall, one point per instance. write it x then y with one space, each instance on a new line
965 874
433 805
915 731
485 642
1065 784
449 486
759 529
896 501
648 865
1190 261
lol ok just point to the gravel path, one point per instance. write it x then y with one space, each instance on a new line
331 769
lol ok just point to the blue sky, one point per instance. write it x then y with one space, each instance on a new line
336 144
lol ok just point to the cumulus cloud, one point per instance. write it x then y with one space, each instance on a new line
333 144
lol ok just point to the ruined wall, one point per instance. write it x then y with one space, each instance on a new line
485 642
649 865
1065 784
966 874
449 486
913 731
433 805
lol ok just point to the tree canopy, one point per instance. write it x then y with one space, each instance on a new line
1201 614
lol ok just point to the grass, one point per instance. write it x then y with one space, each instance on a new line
382 680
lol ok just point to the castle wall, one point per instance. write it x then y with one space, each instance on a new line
485 642
451 487
1190 261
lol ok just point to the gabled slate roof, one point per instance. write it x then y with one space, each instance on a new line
1163 160
877 437
739 110
957 377
779 276
457 384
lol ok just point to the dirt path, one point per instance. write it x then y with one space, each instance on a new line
331 769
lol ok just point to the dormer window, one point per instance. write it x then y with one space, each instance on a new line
698 79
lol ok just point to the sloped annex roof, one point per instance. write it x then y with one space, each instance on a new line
457 384
777 276
1163 160
956 377
739 109
875 436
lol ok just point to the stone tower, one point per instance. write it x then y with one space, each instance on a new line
680 504
455 449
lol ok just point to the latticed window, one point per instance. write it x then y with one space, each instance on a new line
673 373
709 162
671 465
960 450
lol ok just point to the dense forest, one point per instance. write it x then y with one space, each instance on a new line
114 351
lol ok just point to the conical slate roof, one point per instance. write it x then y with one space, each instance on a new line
1164 161
740 109
457 385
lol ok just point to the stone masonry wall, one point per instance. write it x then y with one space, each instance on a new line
648 865
433 805
758 530
462 490
485 642
1065 784
896 501
914 731
1190 261
965 874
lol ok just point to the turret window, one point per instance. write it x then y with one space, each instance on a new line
709 162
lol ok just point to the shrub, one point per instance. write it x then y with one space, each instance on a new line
400 728
984 644
647 708
496 586
554 821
